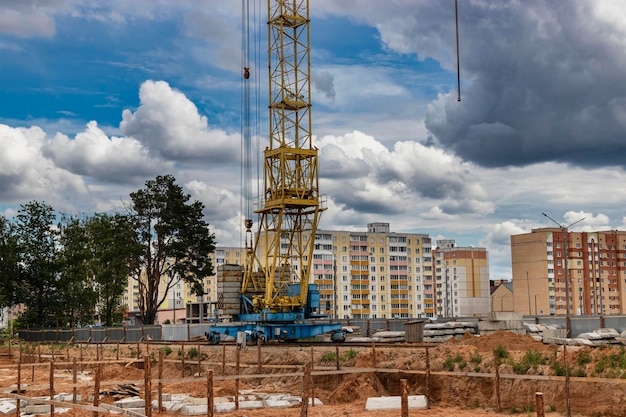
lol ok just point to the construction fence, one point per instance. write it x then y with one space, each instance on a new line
215 364
367 327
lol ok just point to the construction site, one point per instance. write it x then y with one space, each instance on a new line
270 301
491 375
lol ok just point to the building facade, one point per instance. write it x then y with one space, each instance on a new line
551 265
369 274
462 286
501 296
374 273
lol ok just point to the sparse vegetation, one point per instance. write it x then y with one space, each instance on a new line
330 357
192 353
532 359
584 358
501 353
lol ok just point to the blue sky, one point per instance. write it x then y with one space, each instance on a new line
99 96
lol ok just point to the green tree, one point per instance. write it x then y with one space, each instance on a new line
76 286
37 243
176 243
9 263
115 250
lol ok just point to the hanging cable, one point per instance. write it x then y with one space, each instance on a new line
246 147
458 60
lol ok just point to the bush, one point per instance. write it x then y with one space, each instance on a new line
166 350
328 357
350 354
501 353
583 358
559 369
475 358
532 359
192 353
448 364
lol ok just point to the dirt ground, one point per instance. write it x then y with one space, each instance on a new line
346 394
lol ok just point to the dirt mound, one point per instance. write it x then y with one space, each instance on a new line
116 371
357 387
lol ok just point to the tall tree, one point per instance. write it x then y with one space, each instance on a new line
176 243
37 243
9 263
76 285
115 250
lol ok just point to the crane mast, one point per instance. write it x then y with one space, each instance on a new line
279 256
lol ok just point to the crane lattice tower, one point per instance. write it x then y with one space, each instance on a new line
280 254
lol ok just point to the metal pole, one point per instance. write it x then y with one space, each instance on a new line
535 304
565 230
334 285
567 307
528 289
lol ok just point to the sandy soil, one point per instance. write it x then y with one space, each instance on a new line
345 395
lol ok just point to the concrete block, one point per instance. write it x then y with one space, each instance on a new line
490 326
416 402
583 342
278 404
198 410
590 336
505 315
554 333
250 405
222 408
293 399
169 405
133 402
265 396
607 332
36 409
7 408
66 397
553 340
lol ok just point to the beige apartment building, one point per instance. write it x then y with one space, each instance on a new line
370 274
384 274
551 263
462 286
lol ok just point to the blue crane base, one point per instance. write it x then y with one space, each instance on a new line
256 330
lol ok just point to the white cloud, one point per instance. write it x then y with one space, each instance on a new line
169 125
411 175
26 174
25 19
92 153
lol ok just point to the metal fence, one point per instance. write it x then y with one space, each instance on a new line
368 327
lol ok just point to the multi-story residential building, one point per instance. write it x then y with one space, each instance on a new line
373 274
550 264
370 274
461 280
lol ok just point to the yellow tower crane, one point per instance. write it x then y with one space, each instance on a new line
279 255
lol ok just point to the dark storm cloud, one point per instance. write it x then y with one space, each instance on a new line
546 80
